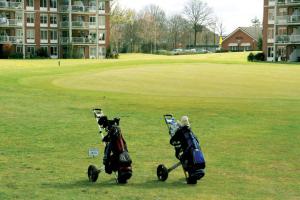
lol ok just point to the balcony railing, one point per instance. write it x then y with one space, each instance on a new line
79 40
288 39
288 2
78 24
11 39
80 9
11 5
288 19
10 22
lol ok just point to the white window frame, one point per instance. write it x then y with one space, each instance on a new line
53 5
102 36
30 5
102 22
30 48
54 52
30 19
93 52
44 20
53 18
92 22
271 16
270 35
42 7
270 53
30 35
53 36
44 36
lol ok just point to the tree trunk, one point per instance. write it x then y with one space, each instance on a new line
195 36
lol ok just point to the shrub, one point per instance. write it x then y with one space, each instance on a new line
42 53
16 56
111 54
259 57
250 57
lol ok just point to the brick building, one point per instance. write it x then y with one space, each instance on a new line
243 39
281 32
61 28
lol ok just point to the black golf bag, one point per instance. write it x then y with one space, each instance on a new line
188 151
116 157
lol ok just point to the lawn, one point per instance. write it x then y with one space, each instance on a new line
246 115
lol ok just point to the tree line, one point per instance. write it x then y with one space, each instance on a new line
150 29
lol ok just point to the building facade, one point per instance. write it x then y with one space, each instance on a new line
243 39
281 30
59 28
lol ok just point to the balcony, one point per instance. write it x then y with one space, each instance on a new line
8 5
288 39
288 2
288 20
80 40
79 25
4 22
80 9
11 40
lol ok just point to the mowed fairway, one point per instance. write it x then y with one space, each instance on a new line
246 115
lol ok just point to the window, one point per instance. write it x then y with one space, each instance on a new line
101 20
102 36
271 15
19 49
282 11
93 19
270 52
53 35
30 51
53 4
30 34
53 19
44 35
101 5
282 31
43 4
30 3
233 48
44 19
53 51
44 49
270 33
93 52
30 18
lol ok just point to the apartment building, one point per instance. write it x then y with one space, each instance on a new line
281 30
61 28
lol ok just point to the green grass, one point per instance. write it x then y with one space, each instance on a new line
247 116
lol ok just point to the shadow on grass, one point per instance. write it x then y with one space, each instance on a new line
83 184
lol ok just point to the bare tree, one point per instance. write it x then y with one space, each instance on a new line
199 14
176 25
158 18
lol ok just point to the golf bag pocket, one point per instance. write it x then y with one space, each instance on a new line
124 158
198 158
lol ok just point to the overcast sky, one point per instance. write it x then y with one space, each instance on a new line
233 13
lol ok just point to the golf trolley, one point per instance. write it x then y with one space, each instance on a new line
162 170
123 171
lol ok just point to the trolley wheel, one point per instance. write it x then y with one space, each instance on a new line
191 180
123 177
93 173
162 173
